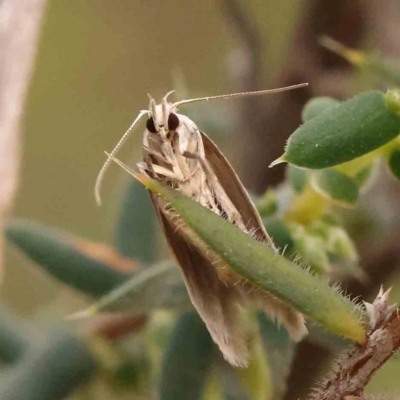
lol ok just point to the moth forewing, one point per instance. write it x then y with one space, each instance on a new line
218 304
178 154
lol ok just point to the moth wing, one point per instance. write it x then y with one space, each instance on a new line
232 185
216 303
229 180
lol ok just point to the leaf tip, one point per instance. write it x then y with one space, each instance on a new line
279 160
393 100
88 312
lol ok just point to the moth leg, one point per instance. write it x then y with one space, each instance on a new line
166 172
143 167
122 165
184 180
155 153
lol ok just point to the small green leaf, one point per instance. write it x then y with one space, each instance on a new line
187 360
56 252
389 70
393 100
268 204
336 186
311 248
349 130
256 378
364 175
394 163
52 368
160 286
317 106
13 337
261 266
136 231
297 178
280 234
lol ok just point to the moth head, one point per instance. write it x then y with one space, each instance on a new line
162 117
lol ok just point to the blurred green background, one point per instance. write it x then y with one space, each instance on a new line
97 61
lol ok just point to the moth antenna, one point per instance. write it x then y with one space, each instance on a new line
242 94
107 163
165 98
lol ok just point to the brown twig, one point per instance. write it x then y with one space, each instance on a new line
114 327
19 27
267 124
247 68
355 370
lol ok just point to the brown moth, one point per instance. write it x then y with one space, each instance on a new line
177 153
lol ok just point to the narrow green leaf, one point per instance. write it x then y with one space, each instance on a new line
389 70
267 205
52 369
363 177
312 250
280 350
349 130
280 234
230 384
187 360
394 163
336 186
260 265
13 337
317 106
256 378
160 286
55 251
297 178
136 231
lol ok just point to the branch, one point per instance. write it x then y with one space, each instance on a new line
267 123
355 370
116 326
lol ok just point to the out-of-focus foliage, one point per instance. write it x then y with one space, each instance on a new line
96 63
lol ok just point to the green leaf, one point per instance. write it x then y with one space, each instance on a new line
280 350
363 177
280 234
256 379
389 70
317 106
136 231
52 369
336 186
394 163
349 130
13 337
160 286
311 248
187 360
297 178
56 252
261 266
268 204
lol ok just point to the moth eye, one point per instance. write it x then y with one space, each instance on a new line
150 125
173 122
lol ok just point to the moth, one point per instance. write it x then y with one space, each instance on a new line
181 156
